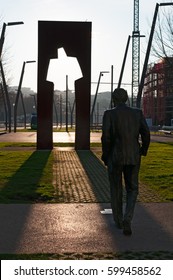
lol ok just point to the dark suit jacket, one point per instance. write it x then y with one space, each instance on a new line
121 129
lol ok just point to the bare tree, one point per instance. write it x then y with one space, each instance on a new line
162 46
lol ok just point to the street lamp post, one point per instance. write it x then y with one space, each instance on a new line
95 98
66 110
24 111
3 33
124 61
2 72
112 84
35 103
7 99
71 112
19 92
5 106
2 38
56 113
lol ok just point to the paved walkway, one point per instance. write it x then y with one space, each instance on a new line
64 137
58 137
80 221
80 227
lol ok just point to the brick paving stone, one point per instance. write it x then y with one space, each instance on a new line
71 181
82 177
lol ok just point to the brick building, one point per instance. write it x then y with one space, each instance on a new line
158 92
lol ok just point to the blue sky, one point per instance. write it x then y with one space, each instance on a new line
112 23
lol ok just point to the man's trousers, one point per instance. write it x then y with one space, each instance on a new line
130 173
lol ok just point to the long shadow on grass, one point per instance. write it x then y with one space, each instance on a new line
24 185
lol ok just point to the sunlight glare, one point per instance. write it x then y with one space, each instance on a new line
62 66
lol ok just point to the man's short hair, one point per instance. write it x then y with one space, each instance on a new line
120 95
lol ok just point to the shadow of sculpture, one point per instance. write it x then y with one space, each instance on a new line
97 175
24 185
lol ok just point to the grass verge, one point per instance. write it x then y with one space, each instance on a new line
156 169
26 176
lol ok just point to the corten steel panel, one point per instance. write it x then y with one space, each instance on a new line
75 38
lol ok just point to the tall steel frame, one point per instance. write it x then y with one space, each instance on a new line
135 53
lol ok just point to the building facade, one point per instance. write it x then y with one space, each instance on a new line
158 92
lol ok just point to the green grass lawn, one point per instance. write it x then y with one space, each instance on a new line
26 176
157 169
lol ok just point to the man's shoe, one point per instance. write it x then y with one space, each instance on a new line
127 228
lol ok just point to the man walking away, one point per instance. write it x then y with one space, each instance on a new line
121 153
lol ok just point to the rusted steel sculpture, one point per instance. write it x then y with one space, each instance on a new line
75 38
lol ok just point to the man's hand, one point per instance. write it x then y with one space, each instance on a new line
143 152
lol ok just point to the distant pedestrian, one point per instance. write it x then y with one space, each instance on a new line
121 153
